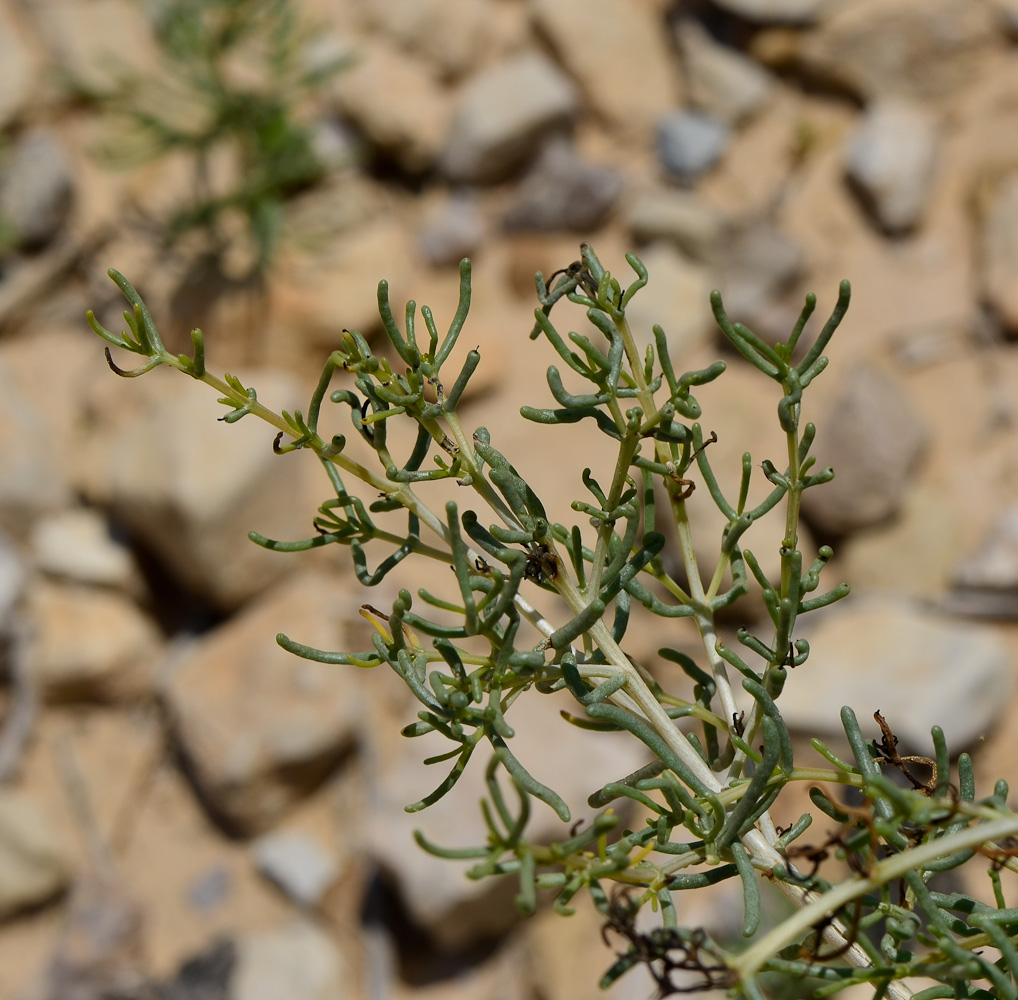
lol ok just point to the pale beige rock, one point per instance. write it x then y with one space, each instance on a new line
297 960
395 102
454 35
19 68
96 43
676 297
912 48
260 727
32 482
503 113
682 217
193 497
721 80
915 554
35 862
874 438
890 158
77 544
999 239
315 298
89 643
913 665
620 57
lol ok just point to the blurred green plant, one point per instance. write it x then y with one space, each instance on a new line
706 796
231 91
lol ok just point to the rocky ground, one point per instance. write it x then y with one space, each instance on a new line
188 811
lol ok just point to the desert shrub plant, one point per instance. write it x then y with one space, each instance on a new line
719 757
230 92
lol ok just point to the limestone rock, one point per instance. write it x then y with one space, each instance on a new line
77 545
777 11
690 143
314 297
297 863
620 57
90 644
12 582
676 297
762 268
260 727
680 217
873 438
999 239
563 191
890 159
35 862
453 229
191 487
986 580
297 961
721 80
32 483
94 44
912 665
502 113
36 188
455 36
19 69
908 48
393 100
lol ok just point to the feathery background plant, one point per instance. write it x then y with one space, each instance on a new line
718 760
230 92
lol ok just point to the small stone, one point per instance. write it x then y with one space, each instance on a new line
454 229
721 81
503 113
35 864
680 217
999 239
333 143
907 48
90 644
298 864
12 582
761 270
619 53
455 36
32 483
690 143
77 545
297 961
890 160
915 667
259 727
564 192
36 189
776 11
193 500
97 44
19 69
873 438
676 297
99 951
210 889
986 581
394 101
205 976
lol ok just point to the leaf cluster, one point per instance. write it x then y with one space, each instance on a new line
720 752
